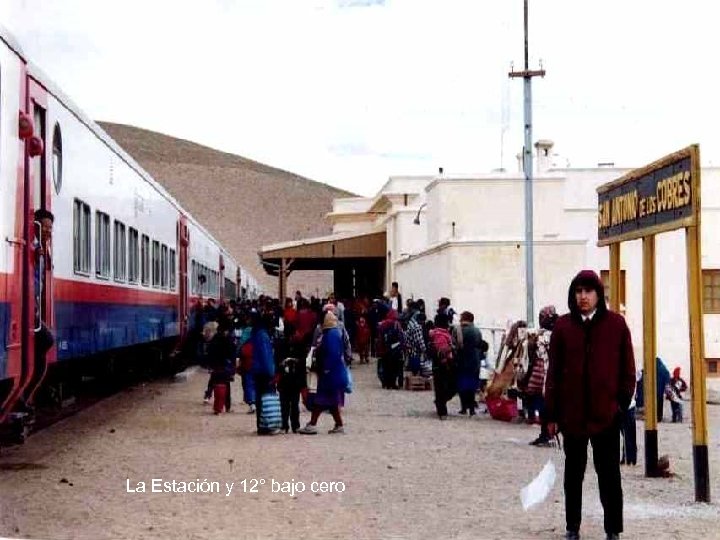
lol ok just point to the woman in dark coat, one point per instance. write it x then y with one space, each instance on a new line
468 342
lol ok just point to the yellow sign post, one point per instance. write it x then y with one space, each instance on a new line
662 196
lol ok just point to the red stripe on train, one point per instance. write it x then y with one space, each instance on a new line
67 290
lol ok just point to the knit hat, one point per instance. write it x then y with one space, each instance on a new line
330 320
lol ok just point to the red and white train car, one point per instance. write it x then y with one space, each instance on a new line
125 259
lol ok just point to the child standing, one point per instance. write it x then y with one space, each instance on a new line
362 339
676 387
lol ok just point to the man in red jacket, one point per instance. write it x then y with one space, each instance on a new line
591 379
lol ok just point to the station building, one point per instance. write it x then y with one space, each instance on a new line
463 237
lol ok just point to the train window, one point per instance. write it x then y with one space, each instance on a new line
57 158
120 252
133 260
102 244
173 269
155 263
145 259
164 266
81 237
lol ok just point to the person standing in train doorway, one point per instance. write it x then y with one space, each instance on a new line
44 339
590 383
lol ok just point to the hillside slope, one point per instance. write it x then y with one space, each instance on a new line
243 203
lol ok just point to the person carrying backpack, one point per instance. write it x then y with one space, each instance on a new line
443 358
391 342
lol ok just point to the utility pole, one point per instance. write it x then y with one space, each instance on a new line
527 76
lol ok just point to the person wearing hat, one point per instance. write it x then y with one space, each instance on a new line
590 383
332 376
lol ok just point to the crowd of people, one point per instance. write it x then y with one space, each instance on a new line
302 352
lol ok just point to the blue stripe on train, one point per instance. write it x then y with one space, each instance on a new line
4 332
85 328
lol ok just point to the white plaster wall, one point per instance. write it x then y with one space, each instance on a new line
494 208
347 225
489 279
409 238
427 277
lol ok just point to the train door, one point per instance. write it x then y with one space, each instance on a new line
183 245
39 277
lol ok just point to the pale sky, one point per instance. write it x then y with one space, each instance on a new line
349 92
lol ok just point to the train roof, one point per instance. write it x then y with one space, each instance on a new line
100 133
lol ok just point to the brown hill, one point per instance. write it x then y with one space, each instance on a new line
243 203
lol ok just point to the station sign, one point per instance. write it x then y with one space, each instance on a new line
659 197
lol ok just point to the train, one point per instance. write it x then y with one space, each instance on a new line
116 271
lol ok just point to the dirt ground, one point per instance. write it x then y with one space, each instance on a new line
405 474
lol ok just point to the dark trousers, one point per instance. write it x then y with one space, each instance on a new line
441 388
391 370
629 454
676 407
444 387
290 408
467 401
606 455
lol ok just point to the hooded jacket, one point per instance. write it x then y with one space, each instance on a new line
591 374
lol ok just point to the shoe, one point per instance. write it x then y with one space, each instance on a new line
612 536
308 429
463 411
251 410
572 535
337 429
206 401
542 442
472 412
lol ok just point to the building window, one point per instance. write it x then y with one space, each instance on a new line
156 263
57 158
102 245
711 291
145 259
120 252
164 266
712 367
81 237
173 270
605 276
133 256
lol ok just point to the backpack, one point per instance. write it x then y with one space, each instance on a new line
442 343
391 337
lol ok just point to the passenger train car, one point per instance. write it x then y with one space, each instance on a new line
125 260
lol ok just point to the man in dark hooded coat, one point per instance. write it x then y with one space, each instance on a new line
590 382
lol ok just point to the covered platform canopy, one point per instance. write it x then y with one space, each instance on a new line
357 259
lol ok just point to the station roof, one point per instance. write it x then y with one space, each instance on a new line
324 252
